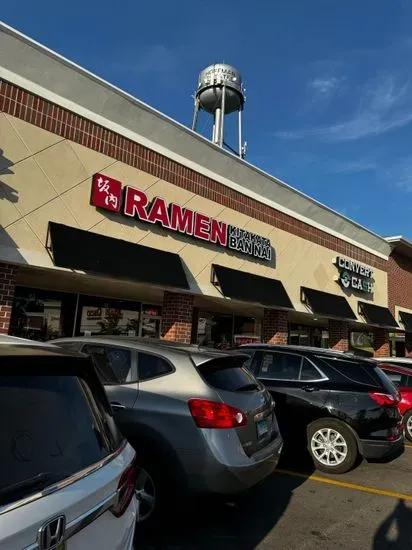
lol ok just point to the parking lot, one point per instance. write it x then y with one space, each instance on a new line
368 508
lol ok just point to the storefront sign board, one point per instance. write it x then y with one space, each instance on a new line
354 276
111 195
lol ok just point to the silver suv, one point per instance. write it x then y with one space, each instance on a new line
195 416
66 473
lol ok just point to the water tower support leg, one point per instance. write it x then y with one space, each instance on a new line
195 115
222 116
240 133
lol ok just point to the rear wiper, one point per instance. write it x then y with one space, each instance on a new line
23 486
248 387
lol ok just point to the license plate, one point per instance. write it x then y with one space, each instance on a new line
262 428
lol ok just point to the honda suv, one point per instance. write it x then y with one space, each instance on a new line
340 406
197 418
67 476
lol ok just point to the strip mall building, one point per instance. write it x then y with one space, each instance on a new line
116 219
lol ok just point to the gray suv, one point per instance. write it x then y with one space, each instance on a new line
198 419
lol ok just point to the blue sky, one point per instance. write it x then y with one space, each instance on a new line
328 83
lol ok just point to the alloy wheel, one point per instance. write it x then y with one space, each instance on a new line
145 492
409 426
329 447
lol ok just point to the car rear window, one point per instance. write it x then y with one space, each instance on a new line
360 372
228 374
53 430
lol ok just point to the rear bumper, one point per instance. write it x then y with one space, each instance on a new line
377 450
221 477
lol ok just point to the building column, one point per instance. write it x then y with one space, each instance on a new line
338 335
7 286
177 313
381 342
275 326
408 344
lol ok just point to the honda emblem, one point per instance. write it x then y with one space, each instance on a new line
51 534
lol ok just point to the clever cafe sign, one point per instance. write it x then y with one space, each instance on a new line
354 276
110 194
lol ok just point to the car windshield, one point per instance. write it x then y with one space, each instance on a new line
52 431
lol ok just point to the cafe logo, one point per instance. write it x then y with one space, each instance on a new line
354 276
109 194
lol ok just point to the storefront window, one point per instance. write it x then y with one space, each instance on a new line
106 316
151 319
304 335
42 315
222 330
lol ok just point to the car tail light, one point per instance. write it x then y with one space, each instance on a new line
125 490
383 399
211 414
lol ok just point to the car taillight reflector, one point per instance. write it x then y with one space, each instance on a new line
125 490
383 399
212 414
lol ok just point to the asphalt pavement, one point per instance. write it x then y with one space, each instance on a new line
369 508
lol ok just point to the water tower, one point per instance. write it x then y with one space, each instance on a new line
219 93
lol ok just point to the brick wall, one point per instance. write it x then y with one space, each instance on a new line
338 335
275 326
399 281
7 284
381 346
177 315
35 110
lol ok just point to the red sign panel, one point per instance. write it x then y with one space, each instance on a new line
242 340
106 193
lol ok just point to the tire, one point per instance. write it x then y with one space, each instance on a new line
407 420
332 446
151 492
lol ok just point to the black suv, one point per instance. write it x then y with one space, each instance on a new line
339 405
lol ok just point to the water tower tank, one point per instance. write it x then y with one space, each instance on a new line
213 81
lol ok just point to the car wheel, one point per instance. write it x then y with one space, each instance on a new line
150 491
407 420
332 446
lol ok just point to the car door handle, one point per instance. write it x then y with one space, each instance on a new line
310 388
117 406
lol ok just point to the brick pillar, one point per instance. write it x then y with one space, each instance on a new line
275 326
177 313
381 342
338 335
7 285
408 344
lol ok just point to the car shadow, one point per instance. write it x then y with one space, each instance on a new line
242 524
395 532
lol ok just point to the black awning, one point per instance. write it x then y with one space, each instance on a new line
248 287
85 251
406 319
377 315
326 304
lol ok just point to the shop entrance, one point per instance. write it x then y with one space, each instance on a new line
223 330
305 335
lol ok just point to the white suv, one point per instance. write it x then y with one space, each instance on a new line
67 476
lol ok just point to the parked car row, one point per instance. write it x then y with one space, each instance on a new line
86 464
199 420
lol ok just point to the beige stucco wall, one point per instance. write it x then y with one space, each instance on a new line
46 178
